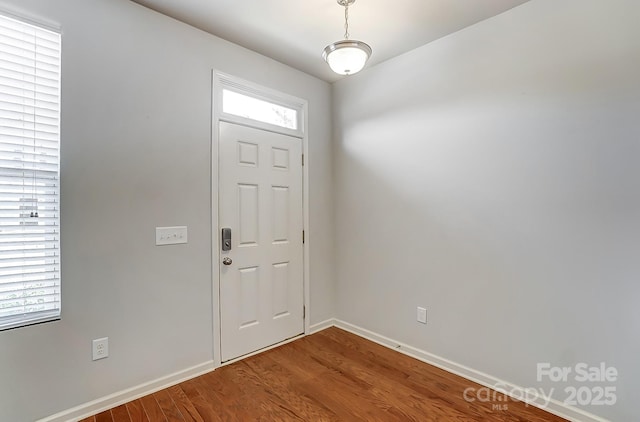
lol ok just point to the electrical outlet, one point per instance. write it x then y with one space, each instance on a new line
422 315
100 348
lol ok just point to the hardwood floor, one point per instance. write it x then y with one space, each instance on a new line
328 376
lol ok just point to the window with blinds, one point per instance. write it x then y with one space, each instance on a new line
29 174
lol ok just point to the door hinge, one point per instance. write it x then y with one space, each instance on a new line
304 312
303 159
303 236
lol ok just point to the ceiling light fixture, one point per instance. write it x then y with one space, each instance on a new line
346 57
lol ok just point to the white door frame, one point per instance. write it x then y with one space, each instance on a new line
220 81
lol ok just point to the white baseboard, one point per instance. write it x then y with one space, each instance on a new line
116 399
555 407
331 322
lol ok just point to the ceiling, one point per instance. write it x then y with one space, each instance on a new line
296 32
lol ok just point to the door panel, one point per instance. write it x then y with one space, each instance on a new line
260 199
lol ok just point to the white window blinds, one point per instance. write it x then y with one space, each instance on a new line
29 174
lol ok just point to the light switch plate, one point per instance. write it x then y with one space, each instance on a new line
422 315
171 235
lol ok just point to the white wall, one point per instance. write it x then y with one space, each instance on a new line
493 176
136 119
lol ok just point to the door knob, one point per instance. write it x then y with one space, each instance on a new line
227 261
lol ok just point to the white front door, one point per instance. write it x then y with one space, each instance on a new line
260 201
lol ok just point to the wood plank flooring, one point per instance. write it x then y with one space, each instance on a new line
328 376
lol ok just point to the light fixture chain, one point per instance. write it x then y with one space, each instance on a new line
346 21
